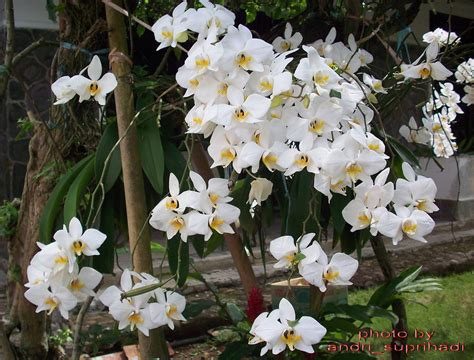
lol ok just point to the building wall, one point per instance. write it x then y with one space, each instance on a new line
32 23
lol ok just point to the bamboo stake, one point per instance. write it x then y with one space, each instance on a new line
240 258
154 345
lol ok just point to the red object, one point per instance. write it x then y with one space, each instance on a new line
255 304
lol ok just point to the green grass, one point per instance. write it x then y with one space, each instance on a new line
449 313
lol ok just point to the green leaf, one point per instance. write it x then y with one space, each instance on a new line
198 244
236 351
405 153
339 324
240 195
213 243
53 205
337 204
194 308
174 160
155 247
77 190
364 313
234 312
151 152
104 262
114 166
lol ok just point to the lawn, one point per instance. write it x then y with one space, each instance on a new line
449 313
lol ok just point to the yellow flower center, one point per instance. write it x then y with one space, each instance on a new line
302 161
135 319
223 89
197 120
290 338
213 197
364 218
436 127
316 126
201 63
320 79
331 275
61 260
256 138
409 227
177 222
194 83
94 88
216 222
171 203
374 147
353 170
421 205
243 60
338 186
76 285
285 45
167 34
270 160
52 303
425 72
265 85
171 309
240 114
377 85
228 154
78 246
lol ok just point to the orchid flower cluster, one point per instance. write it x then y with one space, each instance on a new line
412 199
208 209
280 329
54 278
96 86
312 262
442 106
146 309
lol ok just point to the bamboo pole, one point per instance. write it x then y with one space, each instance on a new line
154 345
237 251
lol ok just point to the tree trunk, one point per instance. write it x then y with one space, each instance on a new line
135 201
36 191
398 306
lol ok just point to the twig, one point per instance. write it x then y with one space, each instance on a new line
125 12
78 327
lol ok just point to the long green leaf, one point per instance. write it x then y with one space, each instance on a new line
76 191
178 259
52 207
405 153
114 166
151 153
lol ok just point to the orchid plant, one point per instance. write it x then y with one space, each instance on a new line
269 112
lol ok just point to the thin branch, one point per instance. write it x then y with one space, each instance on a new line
125 12
30 48
77 329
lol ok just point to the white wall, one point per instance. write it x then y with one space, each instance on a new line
30 14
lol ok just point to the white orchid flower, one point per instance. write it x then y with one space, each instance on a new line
288 253
323 46
202 57
415 134
82 283
58 298
242 52
441 36
95 86
415 224
289 41
373 83
315 72
295 334
260 190
263 330
171 30
63 90
430 68
415 192
319 119
338 271
224 149
468 98
168 308
52 259
243 110
211 17
305 157
75 242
